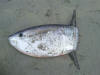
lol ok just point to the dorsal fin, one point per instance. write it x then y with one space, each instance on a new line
73 20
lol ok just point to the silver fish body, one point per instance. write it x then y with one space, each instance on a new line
46 40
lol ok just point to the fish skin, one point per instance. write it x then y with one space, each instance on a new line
33 32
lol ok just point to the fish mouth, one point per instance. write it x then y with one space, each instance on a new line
9 39
11 35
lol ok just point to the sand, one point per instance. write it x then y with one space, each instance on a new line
19 14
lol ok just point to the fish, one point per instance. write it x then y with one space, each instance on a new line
48 40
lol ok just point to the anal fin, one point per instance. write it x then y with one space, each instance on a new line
73 56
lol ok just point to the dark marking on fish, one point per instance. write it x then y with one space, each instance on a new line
30 35
21 34
49 52
42 47
43 31
33 41
27 51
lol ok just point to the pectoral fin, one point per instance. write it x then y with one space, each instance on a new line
73 56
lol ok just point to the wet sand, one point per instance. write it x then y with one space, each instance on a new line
19 14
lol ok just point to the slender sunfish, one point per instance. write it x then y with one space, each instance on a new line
48 40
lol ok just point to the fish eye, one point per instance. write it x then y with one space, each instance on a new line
20 35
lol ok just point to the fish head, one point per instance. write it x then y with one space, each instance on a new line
17 40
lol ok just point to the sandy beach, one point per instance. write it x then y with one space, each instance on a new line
20 14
